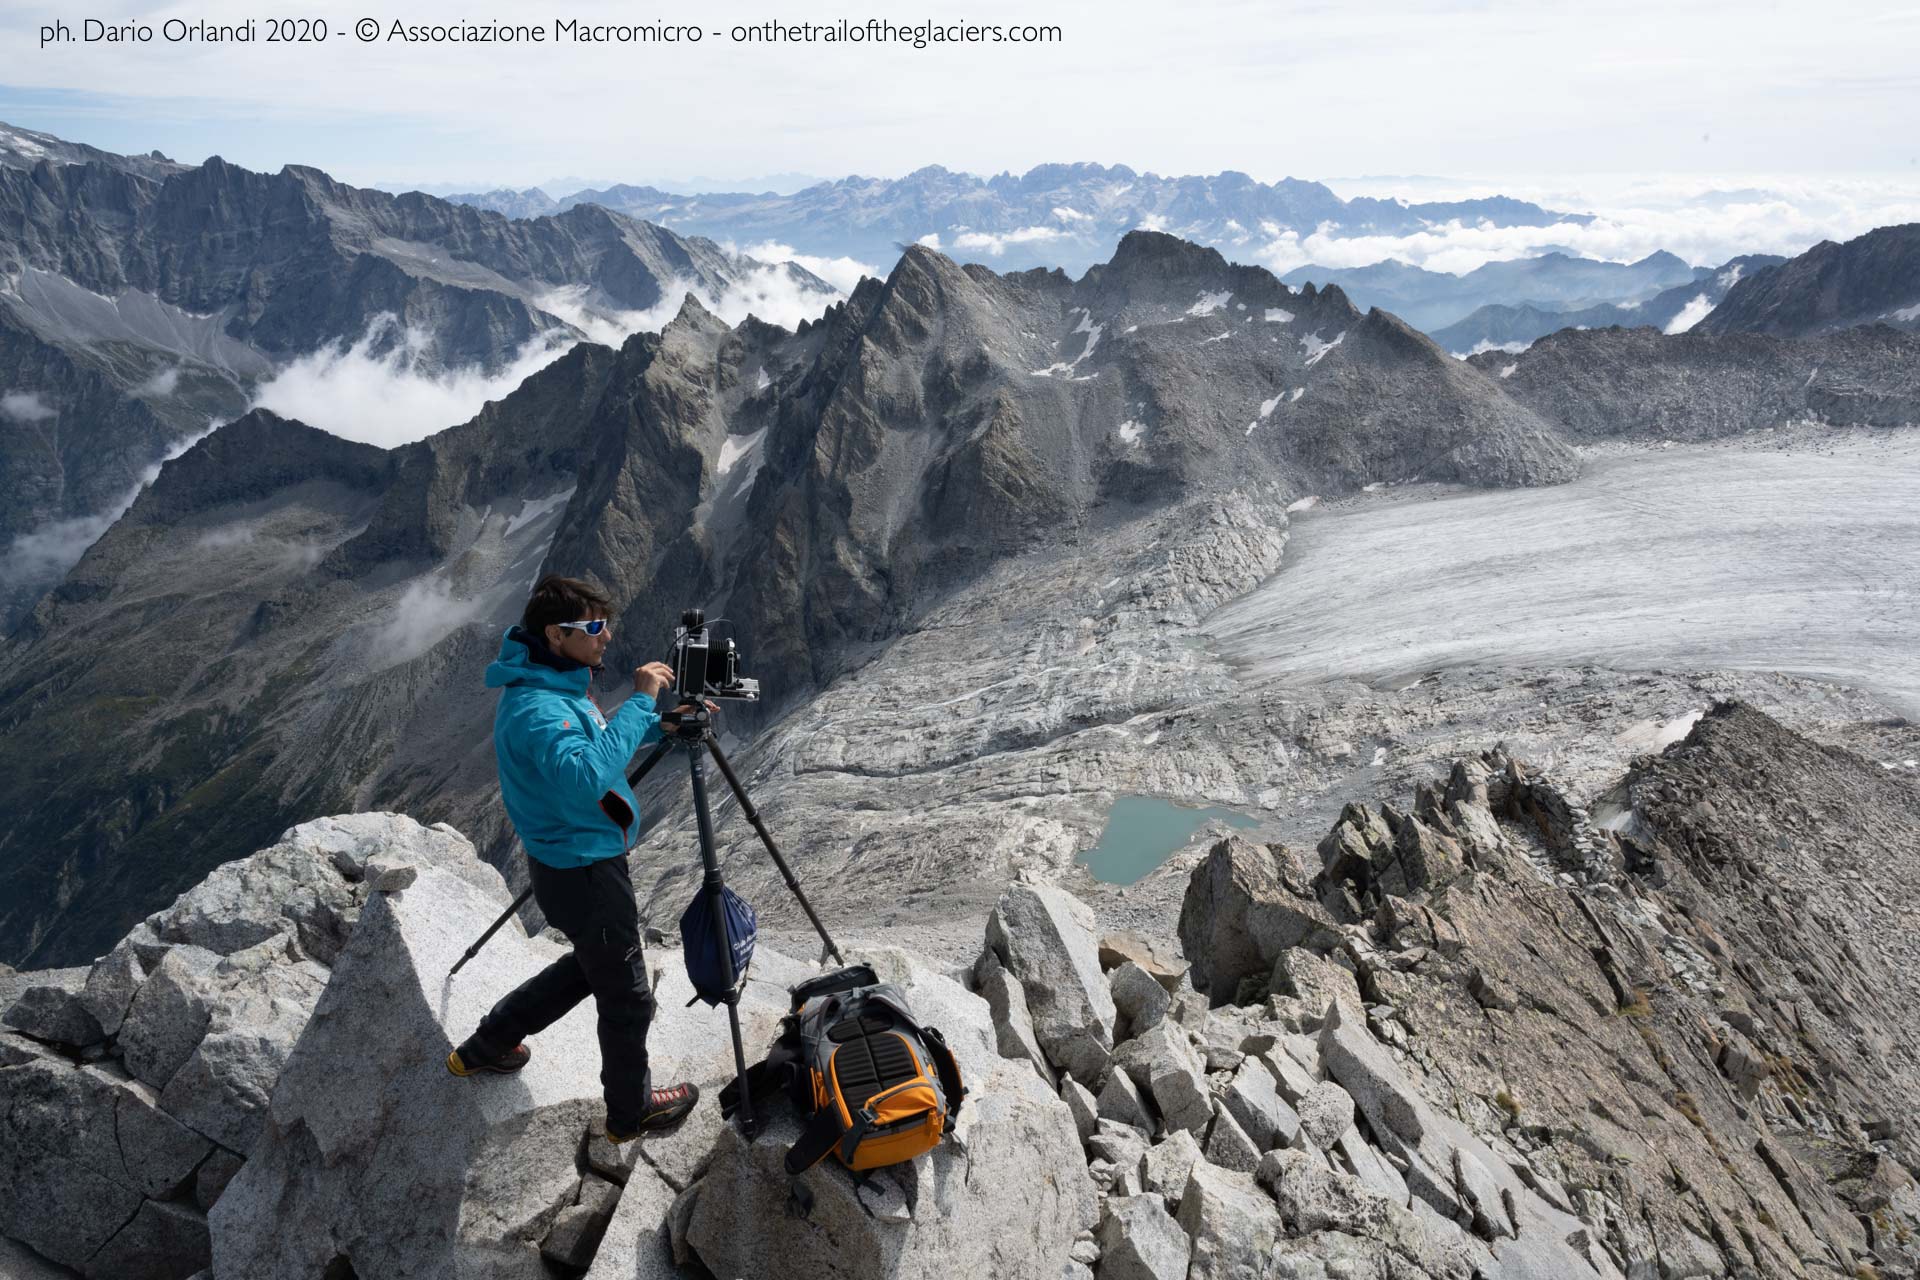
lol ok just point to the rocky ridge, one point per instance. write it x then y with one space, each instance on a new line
143 302
1491 1033
822 488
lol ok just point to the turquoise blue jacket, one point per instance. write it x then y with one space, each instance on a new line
563 766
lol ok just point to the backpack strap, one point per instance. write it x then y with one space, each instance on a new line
947 1068
820 1136
773 1073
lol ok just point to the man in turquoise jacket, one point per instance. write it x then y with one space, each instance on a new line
563 780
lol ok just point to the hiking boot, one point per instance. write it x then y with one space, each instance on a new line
467 1061
665 1109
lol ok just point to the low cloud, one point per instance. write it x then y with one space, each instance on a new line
382 389
425 614
25 406
42 557
391 397
1690 315
160 385
1704 222
995 244
842 273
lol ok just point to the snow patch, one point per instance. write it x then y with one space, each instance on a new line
761 381
734 448
1655 735
1278 315
531 511
1131 431
1296 393
1266 406
1304 504
1209 303
1488 344
1218 337
1506 371
1071 215
1905 313
1316 349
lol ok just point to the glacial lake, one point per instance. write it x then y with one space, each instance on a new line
1142 832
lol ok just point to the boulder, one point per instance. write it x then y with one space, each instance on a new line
1012 1023
1162 963
1182 1098
1165 1045
1141 1001
1239 914
1254 1100
1165 1166
111 985
85 1149
1009 1198
54 1014
1228 1144
164 1241
1044 937
1122 1102
1084 1106
489 1163
1326 1113
1232 1223
257 1003
638 1242
1139 1240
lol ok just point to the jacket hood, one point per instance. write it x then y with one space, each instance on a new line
525 660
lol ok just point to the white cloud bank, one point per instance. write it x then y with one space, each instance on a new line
1703 220
382 388
42 557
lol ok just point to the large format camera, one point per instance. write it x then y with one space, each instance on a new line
705 666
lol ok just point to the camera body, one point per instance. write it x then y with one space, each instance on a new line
705 666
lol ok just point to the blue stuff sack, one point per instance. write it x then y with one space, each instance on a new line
702 949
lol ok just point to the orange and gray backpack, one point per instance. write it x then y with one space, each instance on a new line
877 1087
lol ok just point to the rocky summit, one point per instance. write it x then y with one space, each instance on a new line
1493 1029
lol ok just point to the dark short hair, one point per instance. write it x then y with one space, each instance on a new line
558 599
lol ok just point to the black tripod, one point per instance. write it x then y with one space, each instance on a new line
692 729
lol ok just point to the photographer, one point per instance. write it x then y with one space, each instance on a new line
563 780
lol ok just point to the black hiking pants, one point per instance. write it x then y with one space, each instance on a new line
595 907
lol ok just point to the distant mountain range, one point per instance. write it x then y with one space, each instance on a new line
143 300
1433 300
1684 305
312 615
1055 215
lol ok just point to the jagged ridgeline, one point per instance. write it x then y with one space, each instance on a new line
288 624
141 300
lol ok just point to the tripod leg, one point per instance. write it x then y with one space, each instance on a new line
492 929
711 886
766 838
666 745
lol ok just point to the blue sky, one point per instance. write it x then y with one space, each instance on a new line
1469 90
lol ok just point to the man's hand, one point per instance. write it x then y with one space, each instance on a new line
652 678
